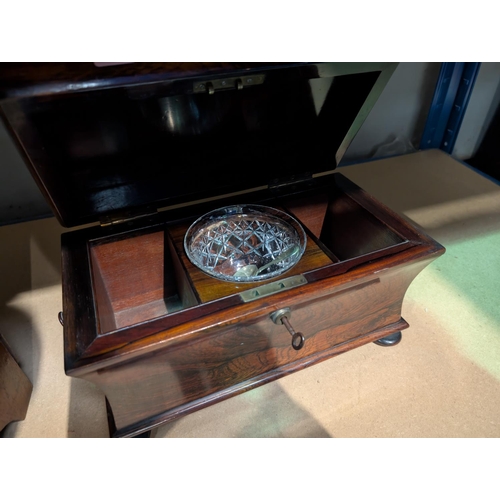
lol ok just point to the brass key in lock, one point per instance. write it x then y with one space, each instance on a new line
281 317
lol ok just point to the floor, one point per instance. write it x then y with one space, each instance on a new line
442 380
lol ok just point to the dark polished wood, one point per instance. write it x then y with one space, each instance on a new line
274 374
93 340
15 388
119 143
310 210
19 80
99 146
216 346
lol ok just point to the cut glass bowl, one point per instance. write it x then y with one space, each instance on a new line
245 243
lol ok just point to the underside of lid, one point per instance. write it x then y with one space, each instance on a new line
159 139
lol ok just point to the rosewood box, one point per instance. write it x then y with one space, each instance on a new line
143 150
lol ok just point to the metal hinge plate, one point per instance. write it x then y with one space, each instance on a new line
272 288
230 83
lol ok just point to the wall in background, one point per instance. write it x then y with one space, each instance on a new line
397 120
483 103
20 198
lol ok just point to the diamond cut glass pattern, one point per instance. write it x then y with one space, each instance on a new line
222 242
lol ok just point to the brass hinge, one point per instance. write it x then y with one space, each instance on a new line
123 217
230 83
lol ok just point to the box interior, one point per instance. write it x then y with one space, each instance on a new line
342 226
137 278
141 276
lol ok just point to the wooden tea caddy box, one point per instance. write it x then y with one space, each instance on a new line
145 149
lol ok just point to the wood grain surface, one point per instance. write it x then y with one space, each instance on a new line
15 388
235 354
19 80
209 288
219 346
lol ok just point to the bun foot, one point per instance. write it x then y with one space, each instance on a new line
390 340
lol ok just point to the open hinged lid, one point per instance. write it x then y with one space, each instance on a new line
103 140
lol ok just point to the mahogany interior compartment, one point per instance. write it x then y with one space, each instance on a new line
344 229
137 278
209 288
